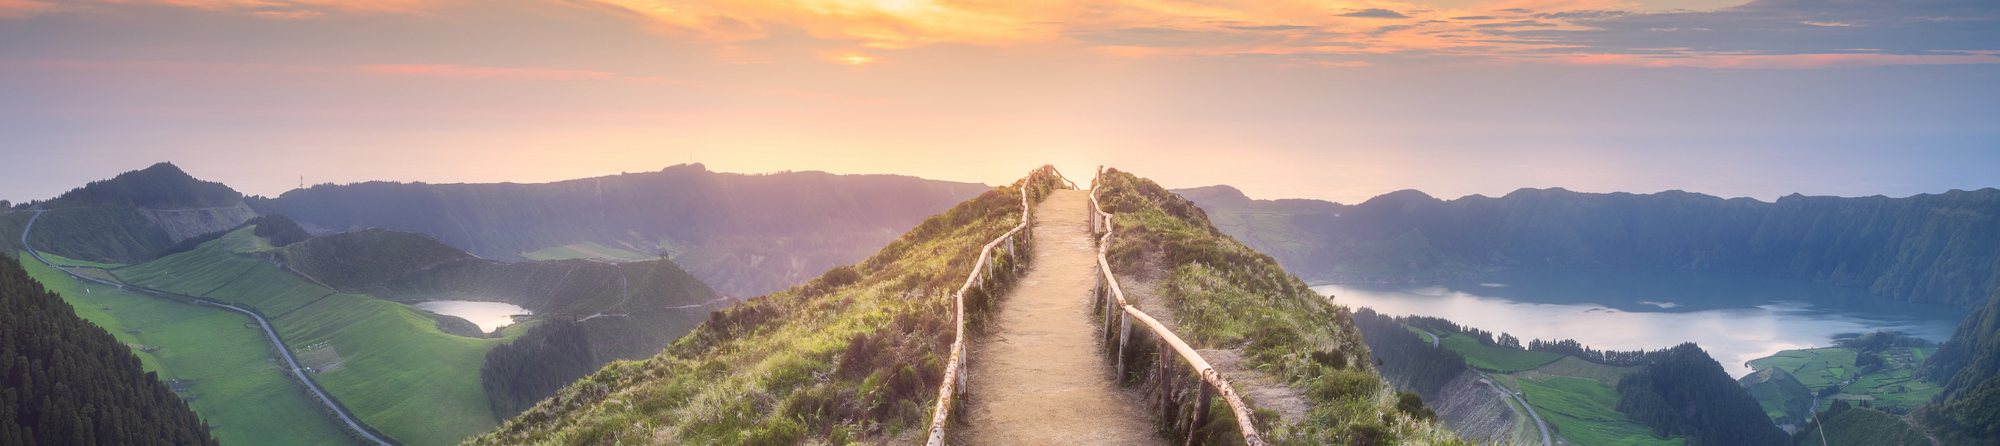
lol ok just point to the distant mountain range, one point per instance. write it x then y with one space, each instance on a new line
743 234
1935 248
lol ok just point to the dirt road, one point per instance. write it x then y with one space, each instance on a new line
1037 377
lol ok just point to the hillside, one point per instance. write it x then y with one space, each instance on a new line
1860 426
1931 248
130 218
743 234
67 381
850 356
162 186
1221 295
1968 410
409 373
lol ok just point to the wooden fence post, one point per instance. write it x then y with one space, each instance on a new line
1124 337
1200 415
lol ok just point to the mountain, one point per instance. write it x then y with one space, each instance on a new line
130 218
856 354
1783 397
1859 426
67 381
743 234
1968 411
1933 248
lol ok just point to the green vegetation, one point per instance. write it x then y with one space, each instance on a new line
854 355
1225 295
1784 399
1815 368
1967 409
162 186
400 374
100 233
1887 378
1859 426
223 361
1584 412
1924 248
1494 358
69 262
67 381
745 235
1682 391
1408 360
586 250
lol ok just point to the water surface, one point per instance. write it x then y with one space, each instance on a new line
489 315
1736 318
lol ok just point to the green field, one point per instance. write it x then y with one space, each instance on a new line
1496 359
1822 367
586 250
1583 412
65 261
235 385
400 374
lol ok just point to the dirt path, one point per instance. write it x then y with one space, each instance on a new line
1037 378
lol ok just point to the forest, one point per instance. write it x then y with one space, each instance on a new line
64 380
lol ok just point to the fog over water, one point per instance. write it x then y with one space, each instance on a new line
489 315
1736 318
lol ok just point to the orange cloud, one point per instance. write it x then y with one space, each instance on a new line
514 74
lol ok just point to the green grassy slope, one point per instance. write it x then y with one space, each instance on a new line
235 386
1584 412
1864 427
1226 296
401 374
1783 398
1496 359
851 356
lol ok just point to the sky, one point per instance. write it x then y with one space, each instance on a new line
1330 99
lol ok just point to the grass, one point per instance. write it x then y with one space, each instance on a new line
1893 389
401 375
65 261
1225 295
1496 359
585 250
236 387
1815 368
855 355
1582 411
1571 367
1421 334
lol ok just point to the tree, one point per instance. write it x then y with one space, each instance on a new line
1509 341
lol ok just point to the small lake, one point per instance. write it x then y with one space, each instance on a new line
489 315
1736 318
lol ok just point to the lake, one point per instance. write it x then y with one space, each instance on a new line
1736 318
489 315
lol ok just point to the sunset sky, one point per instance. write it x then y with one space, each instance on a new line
1338 100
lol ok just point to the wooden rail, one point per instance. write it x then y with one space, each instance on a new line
1116 307
954 370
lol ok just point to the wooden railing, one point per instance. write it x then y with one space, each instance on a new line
1118 315
954 370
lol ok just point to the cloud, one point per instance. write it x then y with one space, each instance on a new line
1791 27
1514 10
1474 17
1269 27
1375 13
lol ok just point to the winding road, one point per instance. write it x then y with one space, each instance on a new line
273 334
1546 439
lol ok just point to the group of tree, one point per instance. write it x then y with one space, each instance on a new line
162 186
1438 324
1573 348
64 380
1844 424
548 357
1968 368
1682 392
1407 360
